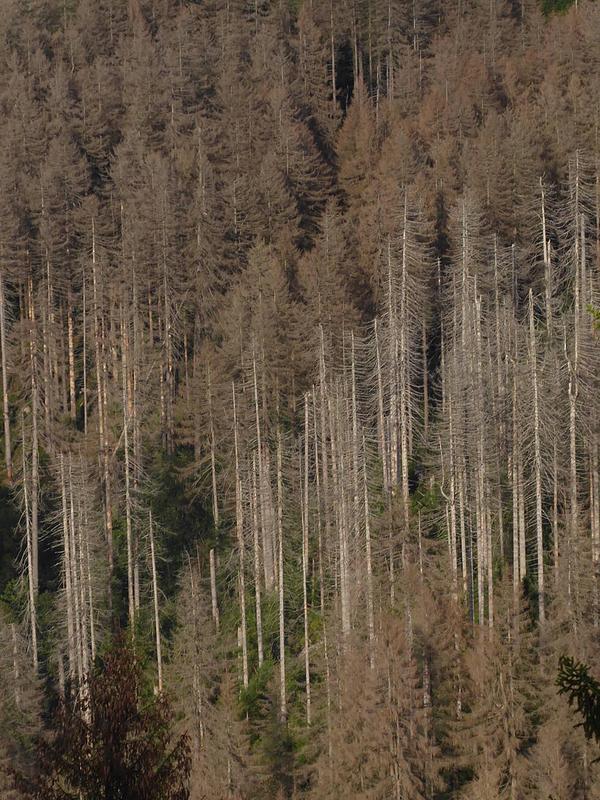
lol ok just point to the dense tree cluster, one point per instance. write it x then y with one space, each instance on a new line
109 741
300 383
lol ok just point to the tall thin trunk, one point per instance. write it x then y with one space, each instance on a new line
380 413
425 369
452 509
393 370
337 463
102 433
5 403
168 342
30 581
257 576
84 356
482 471
90 594
305 532
156 608
324 408
34 444
355 444
517 488
128 515
281 595
265 527
537 464
547 266
573 389
213 588
333 76
71 354
67 572
368 563
239 525
555 512
78 616
213 470
595 524
404 370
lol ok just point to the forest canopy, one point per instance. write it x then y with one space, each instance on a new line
300 391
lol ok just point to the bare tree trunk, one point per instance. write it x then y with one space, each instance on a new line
266 530
213 470
71 348
380 413
573 367
305 525
102 433
213 588
254 506
79 623
537 465
452 528
547 267
595 524
239 524
84 356
156 610
5 404
355 443
425 368
500 406
128 519
333 78
34 444
168 331
282 678
404 370
393 372
337 460
522 526
516 497
484 488
30 581
555 512
369 564
90 597
324 415
67 570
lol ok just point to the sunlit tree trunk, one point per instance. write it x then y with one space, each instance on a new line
128 512
368 563
35 404
280 584
156 606
257 576
5 402
100 398
305 540
67 573
213 588
239 525
30 580
213 470
537 464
